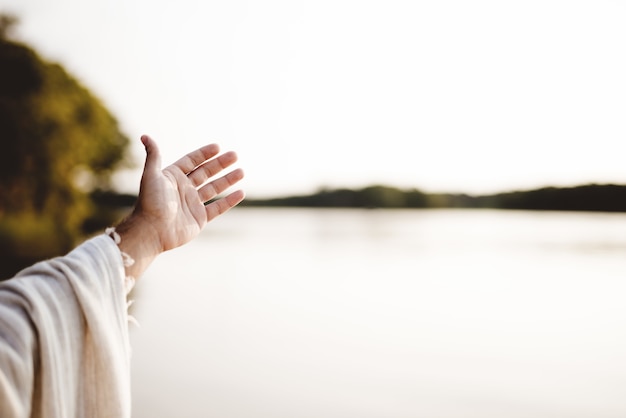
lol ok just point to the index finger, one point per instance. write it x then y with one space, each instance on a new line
196 158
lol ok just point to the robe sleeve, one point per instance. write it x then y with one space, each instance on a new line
64 345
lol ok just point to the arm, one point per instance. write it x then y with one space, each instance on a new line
63 324
170 209
64 343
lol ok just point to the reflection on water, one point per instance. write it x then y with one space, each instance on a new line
375 313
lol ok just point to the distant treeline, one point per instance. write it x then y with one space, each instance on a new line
592 197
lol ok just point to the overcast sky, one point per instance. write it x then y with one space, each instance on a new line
471 96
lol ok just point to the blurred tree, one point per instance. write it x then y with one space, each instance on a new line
59 143
7 24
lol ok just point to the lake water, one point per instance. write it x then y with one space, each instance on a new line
301 313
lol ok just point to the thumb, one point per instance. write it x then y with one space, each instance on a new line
153 155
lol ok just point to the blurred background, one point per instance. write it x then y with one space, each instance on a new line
436 217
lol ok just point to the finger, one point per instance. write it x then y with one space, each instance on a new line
195 158
212 189
210 168
220 206
153 155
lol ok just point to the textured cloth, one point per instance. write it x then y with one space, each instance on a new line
64 348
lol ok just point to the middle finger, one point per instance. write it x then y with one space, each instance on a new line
204 172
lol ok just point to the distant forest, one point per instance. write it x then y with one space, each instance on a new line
591 197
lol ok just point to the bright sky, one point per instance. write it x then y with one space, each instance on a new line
442 95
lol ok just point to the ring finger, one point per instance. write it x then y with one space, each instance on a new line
212 189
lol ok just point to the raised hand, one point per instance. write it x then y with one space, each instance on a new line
173 200
172 205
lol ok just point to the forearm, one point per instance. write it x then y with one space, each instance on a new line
65 320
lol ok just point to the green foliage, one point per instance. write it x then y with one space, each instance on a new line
27 236
382 196
58 143
592 197
376 196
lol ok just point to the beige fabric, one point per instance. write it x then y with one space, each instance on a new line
64 348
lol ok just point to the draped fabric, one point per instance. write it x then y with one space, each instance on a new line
64 346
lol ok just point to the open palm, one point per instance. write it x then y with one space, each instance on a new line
173 200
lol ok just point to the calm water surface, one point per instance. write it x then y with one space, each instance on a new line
374 313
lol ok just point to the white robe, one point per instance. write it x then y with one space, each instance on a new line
64 347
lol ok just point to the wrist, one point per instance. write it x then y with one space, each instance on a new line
138 242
